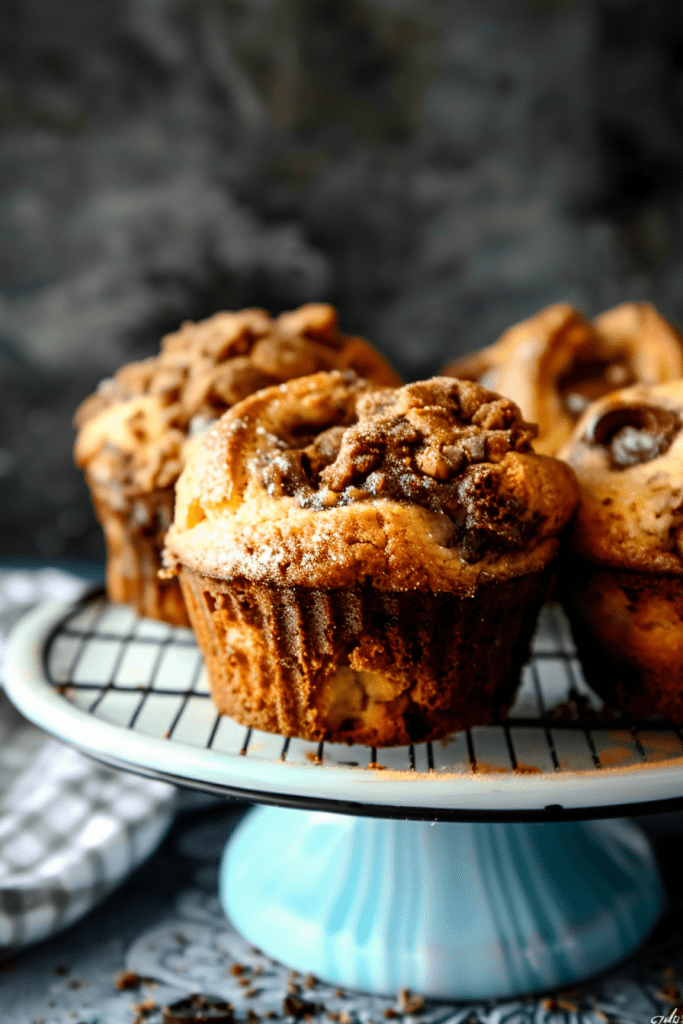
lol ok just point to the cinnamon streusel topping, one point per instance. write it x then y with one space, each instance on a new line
418 444
133 429
326 474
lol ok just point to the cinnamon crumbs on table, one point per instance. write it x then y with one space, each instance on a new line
126 979
410 1003
554 1003
145 1007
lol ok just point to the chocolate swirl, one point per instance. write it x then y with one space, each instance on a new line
626 452
634 434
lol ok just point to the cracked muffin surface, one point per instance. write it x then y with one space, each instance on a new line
366 563
555 363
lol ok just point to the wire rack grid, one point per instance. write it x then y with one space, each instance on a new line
149 677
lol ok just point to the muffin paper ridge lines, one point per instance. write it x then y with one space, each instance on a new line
431 786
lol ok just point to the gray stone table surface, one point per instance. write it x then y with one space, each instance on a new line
165 925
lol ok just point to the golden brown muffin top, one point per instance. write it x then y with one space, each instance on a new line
627 452
133 429
557 362
329 481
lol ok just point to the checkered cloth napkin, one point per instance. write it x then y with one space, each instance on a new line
70 830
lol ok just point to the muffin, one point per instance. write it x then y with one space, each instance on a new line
132 433
623 584
556 363
366 564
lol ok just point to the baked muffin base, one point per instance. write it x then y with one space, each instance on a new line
628 628
382 668
134 536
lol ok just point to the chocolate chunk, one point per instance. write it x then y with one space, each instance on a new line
198 1009
634 434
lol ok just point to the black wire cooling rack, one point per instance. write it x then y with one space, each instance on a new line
148 677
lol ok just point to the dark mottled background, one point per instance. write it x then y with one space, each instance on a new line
436 168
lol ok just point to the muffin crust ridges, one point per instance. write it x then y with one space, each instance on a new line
555 363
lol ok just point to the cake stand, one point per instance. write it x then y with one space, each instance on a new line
490 865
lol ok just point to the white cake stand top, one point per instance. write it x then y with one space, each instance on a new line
132 693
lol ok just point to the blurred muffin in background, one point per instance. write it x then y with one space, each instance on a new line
133 431
623 581
366 564
556 363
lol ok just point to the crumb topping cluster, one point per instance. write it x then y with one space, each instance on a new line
204 369
438 443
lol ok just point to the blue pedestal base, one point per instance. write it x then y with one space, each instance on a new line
454 911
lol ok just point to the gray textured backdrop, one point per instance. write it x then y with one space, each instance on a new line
437 168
